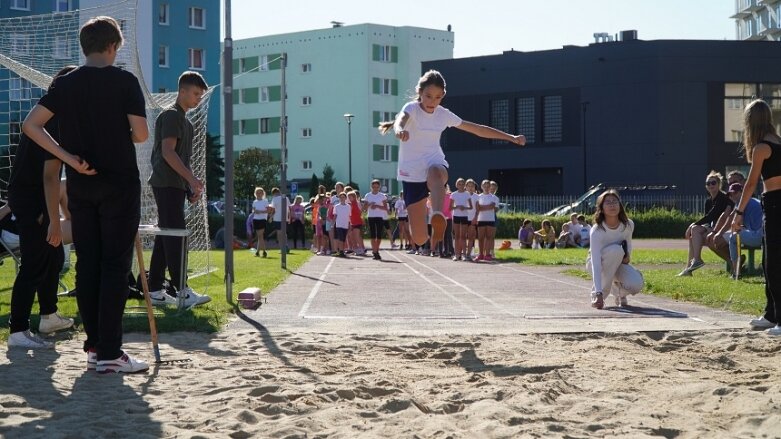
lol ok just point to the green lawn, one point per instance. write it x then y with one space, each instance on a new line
710 286
249 271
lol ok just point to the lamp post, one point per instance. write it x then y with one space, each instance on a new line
349 118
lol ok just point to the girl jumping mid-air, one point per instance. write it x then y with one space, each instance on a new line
422 166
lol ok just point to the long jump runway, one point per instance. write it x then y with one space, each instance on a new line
410 294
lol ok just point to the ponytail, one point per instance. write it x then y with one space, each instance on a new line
385 127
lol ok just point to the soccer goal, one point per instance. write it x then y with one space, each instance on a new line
34 48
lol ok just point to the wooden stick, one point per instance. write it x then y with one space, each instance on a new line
145 287
737 265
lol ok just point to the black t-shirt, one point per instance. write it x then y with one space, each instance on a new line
714 207
171 123
92 104
25 186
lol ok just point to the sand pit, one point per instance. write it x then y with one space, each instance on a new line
288 385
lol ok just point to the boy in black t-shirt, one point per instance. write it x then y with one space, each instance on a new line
172 180
101 113
39 239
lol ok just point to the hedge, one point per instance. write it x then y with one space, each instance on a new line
655 223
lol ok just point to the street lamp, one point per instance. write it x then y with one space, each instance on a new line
349 118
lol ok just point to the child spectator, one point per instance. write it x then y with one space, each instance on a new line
611 252
485 221
342 214
260 211
566 239
546 236
296 219
377 211
461 205
471 230
574 227
356 223
401 220
585 231
526 234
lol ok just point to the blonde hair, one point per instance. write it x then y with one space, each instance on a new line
757 123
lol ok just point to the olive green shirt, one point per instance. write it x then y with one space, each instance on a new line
172 122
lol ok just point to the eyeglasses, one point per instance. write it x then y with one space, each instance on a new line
610 203
711 183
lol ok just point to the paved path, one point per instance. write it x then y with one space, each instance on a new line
409 294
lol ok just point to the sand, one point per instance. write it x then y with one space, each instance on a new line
311 385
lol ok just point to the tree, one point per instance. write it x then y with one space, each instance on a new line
255 167
313 185
215 168
328 177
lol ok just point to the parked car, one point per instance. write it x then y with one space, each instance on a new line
638 195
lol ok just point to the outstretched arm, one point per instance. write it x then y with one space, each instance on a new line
491 133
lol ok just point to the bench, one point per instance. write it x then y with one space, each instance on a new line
750 268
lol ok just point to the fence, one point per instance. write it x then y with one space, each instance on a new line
694 204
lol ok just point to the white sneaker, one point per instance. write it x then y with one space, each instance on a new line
92 359
761 323
123 364
774 331
53 323
161 298
28 340
192 298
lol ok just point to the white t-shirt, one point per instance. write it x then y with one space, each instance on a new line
461 199
574 228
400 208
260 208
485 199
276 203
377 199
471 212
423 150
342 214
602 238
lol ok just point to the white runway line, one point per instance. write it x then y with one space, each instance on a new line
444 291
466 288
315 289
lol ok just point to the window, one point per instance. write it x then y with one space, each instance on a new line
162 56
524 118
264 95
248 126
22 5
306 68
61 48
197 18
249 95
264 125
551 119
162 90
306 101
385 153
197 59
500 117
737 96
386 87
248 64
163 15
306 165
264 63
384 53
19 89
306 133
20 44
385 184
62 5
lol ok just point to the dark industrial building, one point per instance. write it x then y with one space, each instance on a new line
623 112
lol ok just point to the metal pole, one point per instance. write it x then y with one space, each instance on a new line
350 150
283 169
227 92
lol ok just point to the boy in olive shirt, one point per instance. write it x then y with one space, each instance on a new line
172 181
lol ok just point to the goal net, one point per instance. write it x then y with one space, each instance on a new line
34 48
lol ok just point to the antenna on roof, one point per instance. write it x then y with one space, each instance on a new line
336 24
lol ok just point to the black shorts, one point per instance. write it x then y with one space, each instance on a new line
258 224
402 219
461 220
386 224
414 192
486 224
376 228
340 234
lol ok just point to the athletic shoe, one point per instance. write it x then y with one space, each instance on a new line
257 254
341 254
467 258
695 265
438 226
686 272
455 258
774 331
123 364
411 252
265 254
761 323
376 256
479 258
92 359
161 298
597 301
54 322
28 340
191 295
488 258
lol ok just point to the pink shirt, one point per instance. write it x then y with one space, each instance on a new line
446 208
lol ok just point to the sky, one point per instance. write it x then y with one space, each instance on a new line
489 27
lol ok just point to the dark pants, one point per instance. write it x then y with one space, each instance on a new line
296 232
40 271
167 252
105 220
771 204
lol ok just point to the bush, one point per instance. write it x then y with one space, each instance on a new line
654 223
